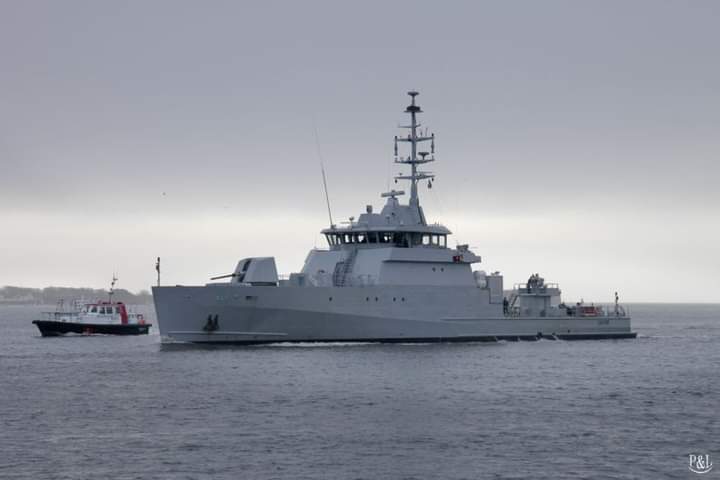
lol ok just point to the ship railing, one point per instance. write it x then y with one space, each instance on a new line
599 310
605 310
617 310
582 310
525 288
60 315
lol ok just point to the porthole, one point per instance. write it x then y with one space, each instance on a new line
442 269
367 299
376 299
394 299
433 269
403 299
330 299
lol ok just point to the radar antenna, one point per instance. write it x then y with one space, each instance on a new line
413 138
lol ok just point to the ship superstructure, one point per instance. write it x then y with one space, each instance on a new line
386 276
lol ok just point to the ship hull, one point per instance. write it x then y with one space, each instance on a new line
49 328
257 315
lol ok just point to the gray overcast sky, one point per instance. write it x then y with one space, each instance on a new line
575 139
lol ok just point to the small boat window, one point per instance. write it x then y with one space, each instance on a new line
93 309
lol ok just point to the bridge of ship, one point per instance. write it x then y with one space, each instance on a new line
398 236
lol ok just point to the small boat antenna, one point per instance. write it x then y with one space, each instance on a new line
324 177
112 288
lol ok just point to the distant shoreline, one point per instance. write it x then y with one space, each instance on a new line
10 295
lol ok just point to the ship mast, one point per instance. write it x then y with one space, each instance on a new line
414 137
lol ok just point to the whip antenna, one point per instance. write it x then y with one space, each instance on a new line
322 169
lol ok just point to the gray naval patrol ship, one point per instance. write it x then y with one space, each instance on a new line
385 277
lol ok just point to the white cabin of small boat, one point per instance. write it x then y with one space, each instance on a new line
100 313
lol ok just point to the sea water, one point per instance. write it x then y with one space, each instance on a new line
93 407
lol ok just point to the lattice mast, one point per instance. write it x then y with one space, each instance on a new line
416 158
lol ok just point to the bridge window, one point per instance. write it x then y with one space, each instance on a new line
434 240
350 238
399 239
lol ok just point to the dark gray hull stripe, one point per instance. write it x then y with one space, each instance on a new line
483 338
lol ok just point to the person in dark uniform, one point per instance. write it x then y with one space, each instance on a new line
506 305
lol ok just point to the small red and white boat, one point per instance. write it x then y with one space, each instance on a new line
109 318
